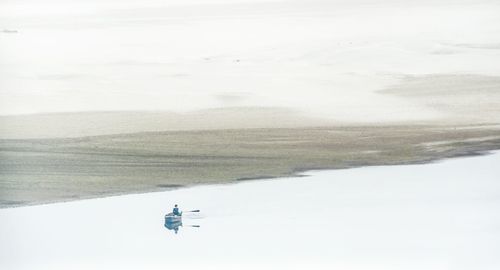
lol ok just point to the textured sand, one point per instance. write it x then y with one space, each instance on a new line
46 170
172 93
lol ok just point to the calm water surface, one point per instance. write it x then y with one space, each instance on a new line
436 216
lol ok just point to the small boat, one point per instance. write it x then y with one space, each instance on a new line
170 218
173 222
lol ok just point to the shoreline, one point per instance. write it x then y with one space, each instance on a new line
386 210
296 173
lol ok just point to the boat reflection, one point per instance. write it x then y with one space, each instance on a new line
173 224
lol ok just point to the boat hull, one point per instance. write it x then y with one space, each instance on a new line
172 219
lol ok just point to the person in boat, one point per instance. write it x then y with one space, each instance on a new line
176 211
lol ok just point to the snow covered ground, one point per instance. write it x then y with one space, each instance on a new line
443 215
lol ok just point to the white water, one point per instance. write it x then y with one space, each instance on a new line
436 216
327 58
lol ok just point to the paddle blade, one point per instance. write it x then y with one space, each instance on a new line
194 211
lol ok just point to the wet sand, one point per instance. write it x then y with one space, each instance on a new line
248 90
36 171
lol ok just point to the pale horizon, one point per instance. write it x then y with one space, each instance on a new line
326 59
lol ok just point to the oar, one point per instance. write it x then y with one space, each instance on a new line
192 211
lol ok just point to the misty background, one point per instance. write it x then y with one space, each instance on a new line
335 61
